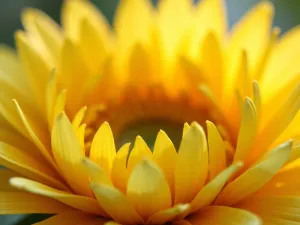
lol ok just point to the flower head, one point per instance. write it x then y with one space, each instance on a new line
86 97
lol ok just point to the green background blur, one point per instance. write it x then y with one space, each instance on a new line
286 16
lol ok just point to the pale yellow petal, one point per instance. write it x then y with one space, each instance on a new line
192 164
224 216
116 205
170 214
132 22
247 132
80 134
97 175
41 28
139 152
165 155
119 173
254 43
50 98
210 191
77 120
256 176
216 149
68 155
103 150
148 189
74 217
75 12
83 203
211 14
24 203
29 166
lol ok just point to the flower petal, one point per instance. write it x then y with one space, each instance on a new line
217 152
116 204
34 168
192 164
165 155
148 189
68 155
255 177
224 216
83 203
208 194
103 150
23 203
170 214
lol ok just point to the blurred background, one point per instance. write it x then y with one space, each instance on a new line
286 16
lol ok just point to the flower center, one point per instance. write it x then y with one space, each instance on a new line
144 114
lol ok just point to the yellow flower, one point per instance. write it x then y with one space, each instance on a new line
157 68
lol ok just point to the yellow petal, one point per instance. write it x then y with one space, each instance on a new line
172 33
165 155
60 103
43 29
283 210
97 175
95 45
192 164
34 168
247 132
186 127
170 214
224 215
211 15
103 150
119 173
75 12
278 122
282 60
51 95
116 205
255 177
78 118
217 151
72 217
24 203
5 175
68 155
243 37
208 194
36 65
83 203
80 134
71 68
139 152
132 22
37 133
148 189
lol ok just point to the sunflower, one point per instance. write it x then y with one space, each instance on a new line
83 108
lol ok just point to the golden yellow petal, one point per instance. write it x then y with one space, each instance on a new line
148 189
119 173
210 191
212 215
192 164
103 150
256 176
68 155
24 203
116 205
139 152
170 214
29 166
216 149
247 132
165 156
83 203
